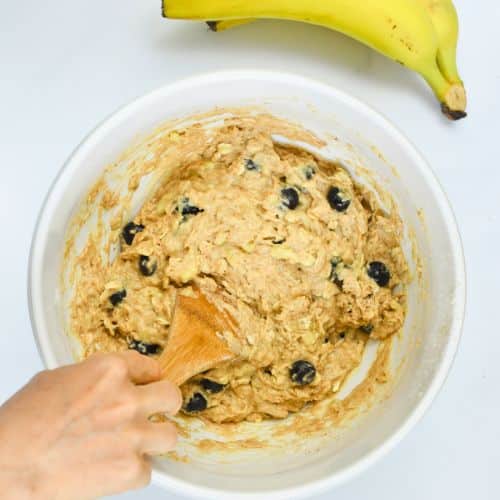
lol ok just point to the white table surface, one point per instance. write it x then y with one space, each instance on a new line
65 65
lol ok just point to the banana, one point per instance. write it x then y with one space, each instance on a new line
399 29
445 20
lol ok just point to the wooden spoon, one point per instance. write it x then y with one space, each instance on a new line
195 343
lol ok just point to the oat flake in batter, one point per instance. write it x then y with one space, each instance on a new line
300 255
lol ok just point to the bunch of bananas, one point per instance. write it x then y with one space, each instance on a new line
420 34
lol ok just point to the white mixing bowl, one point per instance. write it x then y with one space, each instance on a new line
436 300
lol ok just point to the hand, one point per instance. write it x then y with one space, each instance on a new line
82 431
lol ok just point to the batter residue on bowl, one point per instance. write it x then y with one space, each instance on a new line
298 253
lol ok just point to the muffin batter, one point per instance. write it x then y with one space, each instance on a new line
301 256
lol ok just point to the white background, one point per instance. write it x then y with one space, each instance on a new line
64 66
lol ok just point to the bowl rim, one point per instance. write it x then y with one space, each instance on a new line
126 111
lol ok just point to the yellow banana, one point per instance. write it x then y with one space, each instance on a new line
399 29
445 20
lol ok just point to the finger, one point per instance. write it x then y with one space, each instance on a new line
156 438
163 396
141 369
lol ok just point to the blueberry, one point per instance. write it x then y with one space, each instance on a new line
144 347
366 328
211 386
191 210
342 335
117 297
309 172
147 266
334 277
283 178
302 372
186 208
379 273
290 198
196 403
251 165
337 200
130 230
